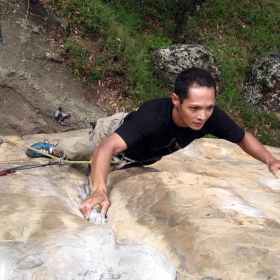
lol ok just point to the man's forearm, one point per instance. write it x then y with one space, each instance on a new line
254 148
100 168
102 159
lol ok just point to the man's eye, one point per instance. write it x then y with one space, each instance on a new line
194 108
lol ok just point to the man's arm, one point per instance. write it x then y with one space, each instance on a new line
254 148
99 172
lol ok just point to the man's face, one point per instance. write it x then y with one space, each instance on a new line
196 109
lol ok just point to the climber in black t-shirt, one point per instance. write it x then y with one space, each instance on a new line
158 128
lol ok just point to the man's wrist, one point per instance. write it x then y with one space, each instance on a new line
99 189
270 160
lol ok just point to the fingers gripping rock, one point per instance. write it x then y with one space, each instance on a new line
96 218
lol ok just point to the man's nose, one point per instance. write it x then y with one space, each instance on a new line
202 115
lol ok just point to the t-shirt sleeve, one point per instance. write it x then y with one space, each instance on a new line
225 127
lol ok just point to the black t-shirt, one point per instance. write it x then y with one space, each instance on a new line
151 133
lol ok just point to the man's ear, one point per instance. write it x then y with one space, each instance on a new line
175 99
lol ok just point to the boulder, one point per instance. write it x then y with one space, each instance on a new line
262 86
208 211
171 60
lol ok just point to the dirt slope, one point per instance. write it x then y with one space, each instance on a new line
33 86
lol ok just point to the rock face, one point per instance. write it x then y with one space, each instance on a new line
262 87
171 60
213 210
44 236
208 211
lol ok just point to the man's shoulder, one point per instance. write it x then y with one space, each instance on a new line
151 115
218 118
222 126
218 113
218 110
147 123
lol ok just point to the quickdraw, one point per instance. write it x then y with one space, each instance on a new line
7 172
14 169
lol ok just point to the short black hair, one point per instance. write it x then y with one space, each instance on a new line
190 77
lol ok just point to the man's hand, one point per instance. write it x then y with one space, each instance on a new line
99 172
274 167
98 197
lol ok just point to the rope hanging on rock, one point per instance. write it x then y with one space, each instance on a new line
61 160
5 139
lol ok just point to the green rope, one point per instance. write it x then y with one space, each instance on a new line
5 139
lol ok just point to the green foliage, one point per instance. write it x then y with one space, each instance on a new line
237 33
127 33
78 60
150 14
265 126
127 53
77 57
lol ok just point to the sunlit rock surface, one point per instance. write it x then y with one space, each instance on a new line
208 212
212 209
44 236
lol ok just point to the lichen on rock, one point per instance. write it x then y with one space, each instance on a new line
262 86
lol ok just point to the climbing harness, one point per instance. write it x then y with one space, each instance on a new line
120 160
59 161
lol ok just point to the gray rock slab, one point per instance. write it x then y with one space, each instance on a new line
171 60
